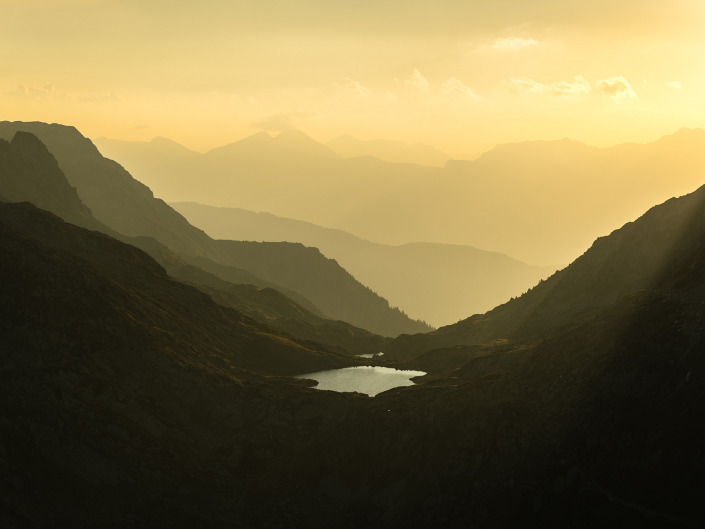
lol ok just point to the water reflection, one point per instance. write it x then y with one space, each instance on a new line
362 379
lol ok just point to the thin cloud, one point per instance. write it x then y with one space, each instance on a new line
616 87
34 93
418 81
676 85
48 93
356 89
578 86
525 85
513 44
455 85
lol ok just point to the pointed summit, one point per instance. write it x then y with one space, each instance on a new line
289 143
298 142
254 145
30 173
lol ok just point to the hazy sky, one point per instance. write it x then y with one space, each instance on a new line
462 75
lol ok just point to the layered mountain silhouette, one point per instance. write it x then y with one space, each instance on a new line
129 207
139 157
542 202
290 175
641 256
28 172
439 283
132 400
125 288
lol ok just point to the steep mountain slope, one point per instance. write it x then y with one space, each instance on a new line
127 287
631 259
438 283
28 172
129 390
141 157
130 208
595 425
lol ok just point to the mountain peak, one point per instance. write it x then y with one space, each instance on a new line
293 134
686 135
53 135
27 140
288 142
161 140
297 141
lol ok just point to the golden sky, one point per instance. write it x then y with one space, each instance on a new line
462 75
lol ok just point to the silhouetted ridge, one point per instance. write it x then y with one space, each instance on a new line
635 257
134 291
506 200
28 172
439 283
32 169
130 208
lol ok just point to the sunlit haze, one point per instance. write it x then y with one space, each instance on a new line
461 76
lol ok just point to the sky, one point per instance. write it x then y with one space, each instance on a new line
462 75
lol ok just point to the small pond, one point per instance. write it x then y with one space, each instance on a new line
362 379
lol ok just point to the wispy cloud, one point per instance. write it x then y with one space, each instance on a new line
616 87
49 93
676 85
525 85
455 85
357 89
578 86
37 93
418 81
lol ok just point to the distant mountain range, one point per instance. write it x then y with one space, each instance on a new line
388 151
507 200
438 283
129 208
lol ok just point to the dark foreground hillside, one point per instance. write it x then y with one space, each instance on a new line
123 392
132 401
